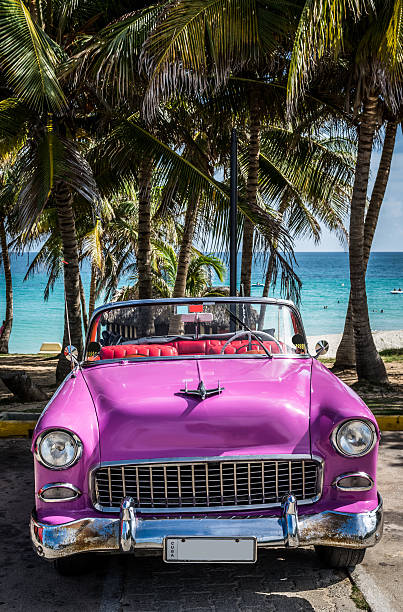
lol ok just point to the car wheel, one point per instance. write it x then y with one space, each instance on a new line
335 557
74 565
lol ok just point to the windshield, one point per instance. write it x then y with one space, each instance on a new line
209 328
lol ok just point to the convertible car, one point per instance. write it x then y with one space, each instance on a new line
203 430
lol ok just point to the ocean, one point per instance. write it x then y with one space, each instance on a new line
325 279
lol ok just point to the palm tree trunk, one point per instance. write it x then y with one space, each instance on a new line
270 265
64 205
251 189
266 289
83 305
345 356
369 364
8 321
144 232
93 286
186 249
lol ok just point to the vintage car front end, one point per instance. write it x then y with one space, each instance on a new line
206 454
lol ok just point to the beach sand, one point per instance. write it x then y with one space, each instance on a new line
42 370
383 340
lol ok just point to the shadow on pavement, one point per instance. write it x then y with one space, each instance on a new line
280 580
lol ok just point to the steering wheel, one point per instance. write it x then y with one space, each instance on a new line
244 332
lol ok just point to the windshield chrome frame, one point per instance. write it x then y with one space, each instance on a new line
187 300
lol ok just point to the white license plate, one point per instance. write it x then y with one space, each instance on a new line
210 550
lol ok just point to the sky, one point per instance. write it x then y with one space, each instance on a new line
389 232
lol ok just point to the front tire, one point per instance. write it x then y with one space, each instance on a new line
74 565
335 557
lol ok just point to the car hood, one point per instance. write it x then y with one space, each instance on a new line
263 409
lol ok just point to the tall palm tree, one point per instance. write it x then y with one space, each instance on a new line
50 165
5 257
246 37
345 355
370 50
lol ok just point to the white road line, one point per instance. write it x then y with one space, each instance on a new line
112 588
373 595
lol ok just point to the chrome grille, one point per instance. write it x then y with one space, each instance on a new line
207 484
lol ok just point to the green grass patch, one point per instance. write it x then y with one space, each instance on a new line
358 598
392 351
389 355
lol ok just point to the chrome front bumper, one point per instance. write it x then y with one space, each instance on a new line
132 532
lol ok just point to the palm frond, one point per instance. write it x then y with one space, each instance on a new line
29 58
13 117
41 165
320 31
111 56
198 39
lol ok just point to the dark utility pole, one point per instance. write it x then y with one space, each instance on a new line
233 213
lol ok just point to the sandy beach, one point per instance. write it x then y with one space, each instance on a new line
42 370
392 339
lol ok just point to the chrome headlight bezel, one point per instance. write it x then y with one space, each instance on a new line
77 454
335 433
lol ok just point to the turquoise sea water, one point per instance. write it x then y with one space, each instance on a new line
325 283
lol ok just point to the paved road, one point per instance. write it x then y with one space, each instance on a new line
383 564
281 580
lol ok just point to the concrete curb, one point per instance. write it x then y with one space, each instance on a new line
11 429
390 422
374 597
24 428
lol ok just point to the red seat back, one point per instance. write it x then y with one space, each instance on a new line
183 347
128 350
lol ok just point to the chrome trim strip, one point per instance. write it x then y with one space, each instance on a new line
180 460
61 485
45 432
130 531
333 437
177 462
336 482
110 485
193 484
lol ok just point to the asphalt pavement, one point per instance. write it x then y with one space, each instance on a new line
281 579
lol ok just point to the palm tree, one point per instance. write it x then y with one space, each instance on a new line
164 267
5 256
50 165
345 356
370 53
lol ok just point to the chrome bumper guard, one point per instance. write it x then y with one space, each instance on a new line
132 532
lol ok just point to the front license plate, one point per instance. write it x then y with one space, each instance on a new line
210 550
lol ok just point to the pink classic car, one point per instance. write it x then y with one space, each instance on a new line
202 430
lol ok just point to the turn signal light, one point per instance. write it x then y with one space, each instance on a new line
58 491
358 481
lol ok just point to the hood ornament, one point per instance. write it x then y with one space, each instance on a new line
201 390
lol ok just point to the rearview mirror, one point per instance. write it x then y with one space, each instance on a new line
197 317
321 347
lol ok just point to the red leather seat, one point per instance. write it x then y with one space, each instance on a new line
127 350
184 347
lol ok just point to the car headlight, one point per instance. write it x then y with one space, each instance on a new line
354 438
58 449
